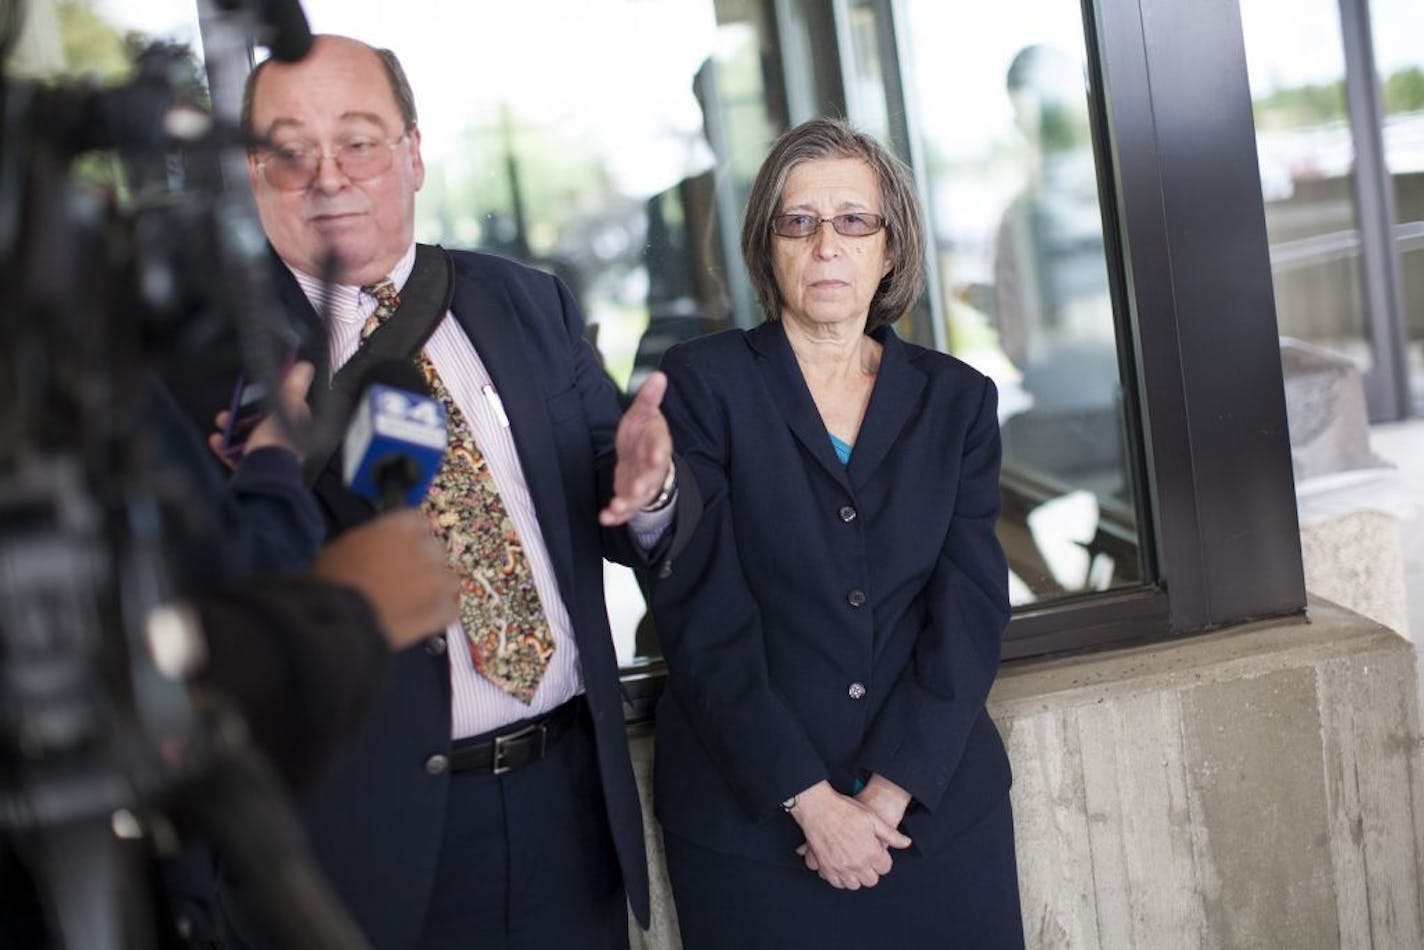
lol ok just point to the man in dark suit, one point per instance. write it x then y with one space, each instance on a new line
489 802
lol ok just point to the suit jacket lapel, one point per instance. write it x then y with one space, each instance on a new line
782 375
487 316
898 385
343 507
304 319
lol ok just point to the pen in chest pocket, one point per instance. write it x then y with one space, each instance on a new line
495 404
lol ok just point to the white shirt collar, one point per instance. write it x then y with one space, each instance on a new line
347 303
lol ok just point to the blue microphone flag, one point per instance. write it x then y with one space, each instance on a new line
393 426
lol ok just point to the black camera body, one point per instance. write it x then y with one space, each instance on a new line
107 756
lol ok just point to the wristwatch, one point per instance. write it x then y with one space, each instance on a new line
789 804
664 496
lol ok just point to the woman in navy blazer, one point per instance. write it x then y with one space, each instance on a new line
826 773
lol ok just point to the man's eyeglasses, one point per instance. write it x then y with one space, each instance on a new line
852 224
295 167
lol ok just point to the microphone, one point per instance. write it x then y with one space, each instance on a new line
282 28
396 437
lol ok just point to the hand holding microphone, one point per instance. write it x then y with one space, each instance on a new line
401 569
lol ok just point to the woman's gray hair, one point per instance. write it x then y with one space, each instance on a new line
827 138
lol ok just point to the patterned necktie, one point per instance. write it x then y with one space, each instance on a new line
509 637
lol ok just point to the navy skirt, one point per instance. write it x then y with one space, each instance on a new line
964 895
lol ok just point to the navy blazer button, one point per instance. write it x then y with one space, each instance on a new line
847 514
665 570
436 764
435 646
856 598
856 691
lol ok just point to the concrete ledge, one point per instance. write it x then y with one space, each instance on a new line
1250 788
1356 560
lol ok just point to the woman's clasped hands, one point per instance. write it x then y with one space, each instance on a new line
848 839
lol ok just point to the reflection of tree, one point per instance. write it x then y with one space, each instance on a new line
742 105
1322 103
92 46
1311 104
99 52
1404 90
529 191
559 181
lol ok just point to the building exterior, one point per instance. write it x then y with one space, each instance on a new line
1130 203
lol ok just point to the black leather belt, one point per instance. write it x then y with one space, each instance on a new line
517 747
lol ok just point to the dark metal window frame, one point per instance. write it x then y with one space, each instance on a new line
1387 379
1201 314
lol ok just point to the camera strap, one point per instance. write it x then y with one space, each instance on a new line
424 300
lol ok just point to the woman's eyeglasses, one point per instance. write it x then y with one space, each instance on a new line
852 224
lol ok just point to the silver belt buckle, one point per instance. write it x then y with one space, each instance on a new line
500 765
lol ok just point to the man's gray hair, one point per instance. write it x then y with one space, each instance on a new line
395 75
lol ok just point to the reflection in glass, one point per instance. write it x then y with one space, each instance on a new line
99 44
872 88
568 148
97 39
617 151
1017 230
1296 61
614 151
1397 26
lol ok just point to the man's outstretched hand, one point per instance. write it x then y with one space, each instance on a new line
644 447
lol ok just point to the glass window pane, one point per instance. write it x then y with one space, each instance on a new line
1398 26
1296 61
98 39
98 44
625 170
872 88
1017 232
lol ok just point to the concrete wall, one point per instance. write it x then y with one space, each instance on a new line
1250 788
1356 560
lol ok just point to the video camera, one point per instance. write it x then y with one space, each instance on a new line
106 758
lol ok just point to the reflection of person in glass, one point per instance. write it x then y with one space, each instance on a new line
826 769
1049 247
1052 305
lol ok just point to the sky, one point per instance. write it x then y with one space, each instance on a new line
1299 35
1294 42
617 73
646 50
613 73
